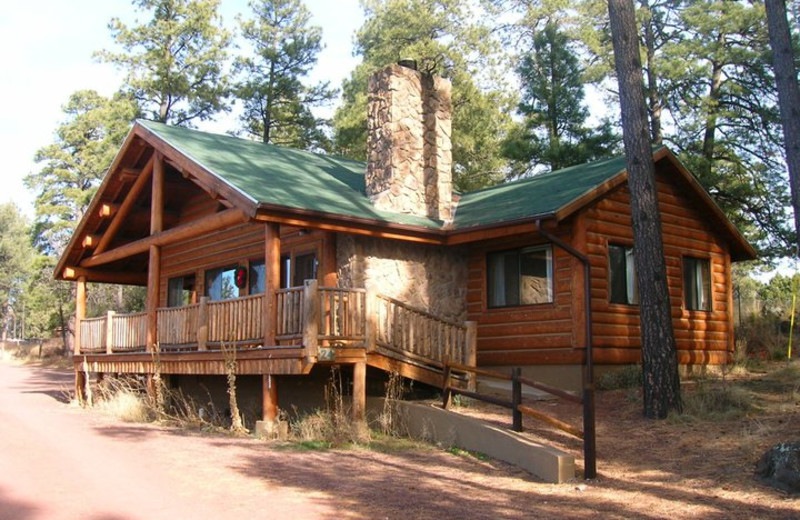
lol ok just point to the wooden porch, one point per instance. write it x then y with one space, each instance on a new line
313 324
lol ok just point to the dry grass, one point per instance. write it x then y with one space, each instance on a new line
125 400
47 353
128 399
332 427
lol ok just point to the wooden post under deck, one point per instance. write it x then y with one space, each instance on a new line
359 391
272 275
269 404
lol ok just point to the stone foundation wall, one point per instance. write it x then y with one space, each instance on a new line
430 277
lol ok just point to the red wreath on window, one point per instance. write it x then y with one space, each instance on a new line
241 277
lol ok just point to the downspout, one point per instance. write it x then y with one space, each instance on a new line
589 443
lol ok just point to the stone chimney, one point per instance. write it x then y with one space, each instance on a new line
409 155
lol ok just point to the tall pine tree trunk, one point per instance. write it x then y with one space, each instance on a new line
654 104
661 385
788 97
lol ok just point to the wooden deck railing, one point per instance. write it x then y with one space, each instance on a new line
128 332
316 317
93 334
290 313
178 327
342 315
414 333
238 322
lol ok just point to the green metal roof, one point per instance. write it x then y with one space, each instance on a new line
538 196
269 174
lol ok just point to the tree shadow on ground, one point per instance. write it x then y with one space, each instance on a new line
11 509
434 484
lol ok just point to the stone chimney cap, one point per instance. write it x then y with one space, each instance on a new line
408 63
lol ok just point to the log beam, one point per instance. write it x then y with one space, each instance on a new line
72 273
125 207
193 229
107 210
90 241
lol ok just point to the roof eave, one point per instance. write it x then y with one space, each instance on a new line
58 272
337 222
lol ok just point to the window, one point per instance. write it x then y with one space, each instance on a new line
221 283
180 291
305 268
622 275
696 284
295 270
256 279
520 277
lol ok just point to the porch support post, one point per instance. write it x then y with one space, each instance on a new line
330 277
359 391
311 319
153 277
154 265
80 313
272 275
202 324
157 199
269 407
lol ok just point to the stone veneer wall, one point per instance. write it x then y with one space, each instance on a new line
430 277
409 153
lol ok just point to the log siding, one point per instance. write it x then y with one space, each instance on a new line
553 333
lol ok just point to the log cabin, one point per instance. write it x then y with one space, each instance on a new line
301 260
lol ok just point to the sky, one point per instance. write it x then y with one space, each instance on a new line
46 49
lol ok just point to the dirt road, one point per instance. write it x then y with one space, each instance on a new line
60 462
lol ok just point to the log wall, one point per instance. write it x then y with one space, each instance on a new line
234 246
509 335
701 336
553 333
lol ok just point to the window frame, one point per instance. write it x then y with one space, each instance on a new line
221 269
694 299
520 251
631 283
190 291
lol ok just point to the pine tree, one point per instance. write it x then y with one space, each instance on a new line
789 98
74 165
661 384
277 105
174 60
554 131
16 257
